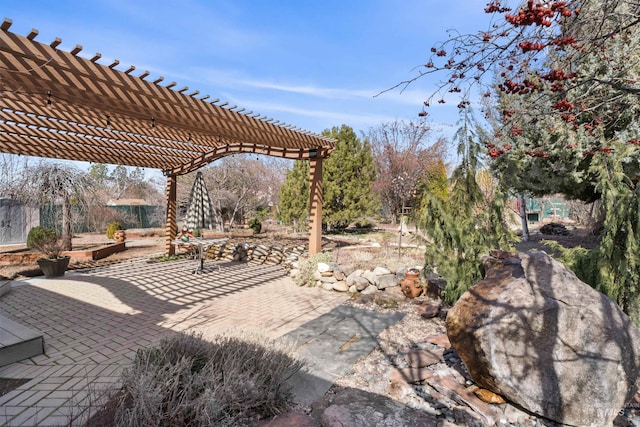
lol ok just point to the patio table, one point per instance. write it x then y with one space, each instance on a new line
200 247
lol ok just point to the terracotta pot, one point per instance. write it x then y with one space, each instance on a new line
411 285
54 267
119 236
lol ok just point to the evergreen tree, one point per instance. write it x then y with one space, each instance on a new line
348 174
466 222
293 199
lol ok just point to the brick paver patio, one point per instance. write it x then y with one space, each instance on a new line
94 321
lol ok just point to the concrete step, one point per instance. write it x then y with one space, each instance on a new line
18 342
5 287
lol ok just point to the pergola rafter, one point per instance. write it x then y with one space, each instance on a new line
56 104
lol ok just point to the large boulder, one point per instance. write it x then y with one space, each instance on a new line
532 332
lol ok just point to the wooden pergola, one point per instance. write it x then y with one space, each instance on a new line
56 104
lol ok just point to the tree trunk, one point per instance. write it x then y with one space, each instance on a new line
523 218
66 223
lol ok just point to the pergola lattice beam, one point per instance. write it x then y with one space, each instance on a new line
100 112
55 104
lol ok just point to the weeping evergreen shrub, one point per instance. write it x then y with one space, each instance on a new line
464 223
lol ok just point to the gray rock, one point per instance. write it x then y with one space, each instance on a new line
380 271
339 275
371 289
532 332
422 358
324 267
326 286
329 279
361 283
351 276
372 278
353 407
341 286
347 269
387 281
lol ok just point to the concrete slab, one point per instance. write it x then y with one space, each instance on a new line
331 344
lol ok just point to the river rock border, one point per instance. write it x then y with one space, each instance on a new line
328 276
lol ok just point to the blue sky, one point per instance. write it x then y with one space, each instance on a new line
311 64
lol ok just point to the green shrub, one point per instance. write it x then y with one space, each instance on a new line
112 227
188 381
307 267
255 225
38 235
583 262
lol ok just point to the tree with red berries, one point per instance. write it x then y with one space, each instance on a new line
561 84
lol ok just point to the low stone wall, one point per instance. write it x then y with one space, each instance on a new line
258 254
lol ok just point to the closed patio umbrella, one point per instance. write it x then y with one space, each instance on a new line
200 210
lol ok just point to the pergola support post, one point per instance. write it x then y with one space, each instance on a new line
171 228
315 206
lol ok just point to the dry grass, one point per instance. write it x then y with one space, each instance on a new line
187 381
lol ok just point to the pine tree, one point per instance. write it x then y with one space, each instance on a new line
293 200
348 174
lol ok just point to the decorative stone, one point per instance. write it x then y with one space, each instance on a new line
323 266
326 286
380 271
339 275
411 375
361 283
371 289
439 340
429 311
341 286
317 275
532 332
293 272
326 274
488 396
353 407
329 279
347 269
387 281
450 387
422 358
351 276
372 278
353 289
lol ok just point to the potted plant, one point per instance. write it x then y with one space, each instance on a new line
49 243
411 285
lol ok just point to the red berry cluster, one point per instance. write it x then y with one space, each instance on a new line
563 105
516 130
528 46
527 86
539 14
558 75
